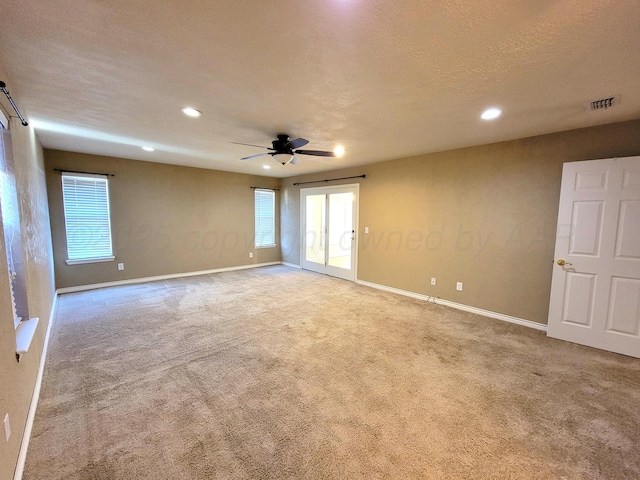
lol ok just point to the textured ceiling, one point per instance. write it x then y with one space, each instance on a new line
385 79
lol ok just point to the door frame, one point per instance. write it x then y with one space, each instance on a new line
328 190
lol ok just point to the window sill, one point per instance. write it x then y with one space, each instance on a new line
265 246
24 335
91 260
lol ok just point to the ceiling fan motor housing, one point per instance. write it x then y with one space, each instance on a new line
280 145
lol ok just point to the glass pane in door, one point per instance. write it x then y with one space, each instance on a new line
340 229
315 237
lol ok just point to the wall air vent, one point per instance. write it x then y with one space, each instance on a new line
603 103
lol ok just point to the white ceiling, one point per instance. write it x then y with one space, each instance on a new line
385 79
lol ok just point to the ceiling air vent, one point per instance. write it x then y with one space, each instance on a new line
603 103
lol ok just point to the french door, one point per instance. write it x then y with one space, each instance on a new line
329 226
595 291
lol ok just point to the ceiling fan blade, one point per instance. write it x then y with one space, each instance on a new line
317 153
255 156
251 145
297 143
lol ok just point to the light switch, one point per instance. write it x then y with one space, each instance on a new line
7 427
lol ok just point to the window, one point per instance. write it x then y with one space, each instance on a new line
86 217
12 230
265 218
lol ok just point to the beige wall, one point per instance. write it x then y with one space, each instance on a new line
17 380
485 216
165 219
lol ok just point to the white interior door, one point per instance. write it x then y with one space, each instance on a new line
595 290
328 218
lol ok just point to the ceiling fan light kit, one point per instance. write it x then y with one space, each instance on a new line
284 150
282 158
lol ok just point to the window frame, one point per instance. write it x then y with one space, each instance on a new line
257 218
88 259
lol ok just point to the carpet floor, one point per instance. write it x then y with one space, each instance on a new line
278 373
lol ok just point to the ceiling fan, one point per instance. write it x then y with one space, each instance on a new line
284 150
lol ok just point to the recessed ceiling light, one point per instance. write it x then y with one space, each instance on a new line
339 151
491 113
148 149
266 167
191 112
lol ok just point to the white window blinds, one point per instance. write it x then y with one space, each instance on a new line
265 218
86 216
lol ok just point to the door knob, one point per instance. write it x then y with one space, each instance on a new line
562 263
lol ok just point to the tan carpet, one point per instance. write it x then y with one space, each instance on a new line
280 373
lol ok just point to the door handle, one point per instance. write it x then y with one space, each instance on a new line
562 263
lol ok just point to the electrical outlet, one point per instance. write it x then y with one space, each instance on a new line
121 266
7 427
250 254
459 286
433 280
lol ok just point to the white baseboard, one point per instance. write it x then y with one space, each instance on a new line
93 286
292 265
459 306
26 436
